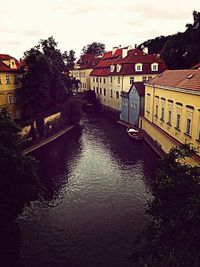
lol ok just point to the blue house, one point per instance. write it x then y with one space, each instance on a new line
133 103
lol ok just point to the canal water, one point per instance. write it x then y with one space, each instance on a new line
96 183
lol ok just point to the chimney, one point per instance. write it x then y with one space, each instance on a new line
145 50
125 51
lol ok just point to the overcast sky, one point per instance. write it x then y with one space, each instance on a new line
75 23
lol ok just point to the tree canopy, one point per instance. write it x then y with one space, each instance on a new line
94 48
19 181
180 50
172 236
45 80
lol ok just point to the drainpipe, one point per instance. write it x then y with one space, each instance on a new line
153 103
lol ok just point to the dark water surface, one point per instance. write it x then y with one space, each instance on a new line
96 187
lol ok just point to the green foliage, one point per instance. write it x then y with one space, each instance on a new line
94 48
71 112
45 83
19 181
172 237
181 50
69 59
156 45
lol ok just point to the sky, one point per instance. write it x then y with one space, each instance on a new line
76 23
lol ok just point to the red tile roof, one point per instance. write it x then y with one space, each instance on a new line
88 61
127 63
4 67
103 67
5 57
185 79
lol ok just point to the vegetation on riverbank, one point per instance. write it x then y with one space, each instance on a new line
19 183
172 236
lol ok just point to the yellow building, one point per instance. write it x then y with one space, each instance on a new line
118 70
82 70
10 85
172 110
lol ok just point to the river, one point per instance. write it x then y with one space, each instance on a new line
96 183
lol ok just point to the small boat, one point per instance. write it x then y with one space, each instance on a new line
134 133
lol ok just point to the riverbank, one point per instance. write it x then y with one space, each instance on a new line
47 140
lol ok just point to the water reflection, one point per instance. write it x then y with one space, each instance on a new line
95 191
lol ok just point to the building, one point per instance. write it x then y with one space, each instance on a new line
82 70
133 103
10 85
172 110
197 66
118 70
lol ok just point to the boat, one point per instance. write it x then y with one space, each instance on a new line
134 133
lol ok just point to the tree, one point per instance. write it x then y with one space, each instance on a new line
94 48
19 182
45 83
69 59
172 236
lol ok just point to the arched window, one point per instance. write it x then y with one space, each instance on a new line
154 66
11 99
138 67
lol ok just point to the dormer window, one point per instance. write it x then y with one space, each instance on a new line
112 68
138 67
154 67
118 68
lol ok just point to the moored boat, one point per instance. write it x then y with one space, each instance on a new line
134 133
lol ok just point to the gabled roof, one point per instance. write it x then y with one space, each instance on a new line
88 61
185 79
4 67
138 86
127 63
103 67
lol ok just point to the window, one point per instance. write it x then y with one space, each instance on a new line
138 67
154 67
104 80
118 79
188 122
170 108
131 80
100 91
148 103
149 78
96 80
111 79
118 68
144 79
94 88
169 117
178 116
162 109
111 93
112 68
178 121
117 95
104 92
100 80
97 90
7 79
156 106
11 99
162 114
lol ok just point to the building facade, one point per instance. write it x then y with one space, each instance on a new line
133 103
10 85
118 70
82 71
172 110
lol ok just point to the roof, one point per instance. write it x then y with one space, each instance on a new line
134 56
4 67
139 86
88 61
186 79
109 58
